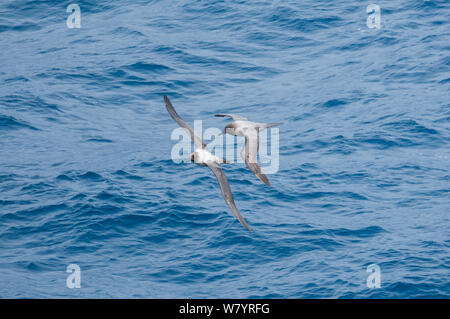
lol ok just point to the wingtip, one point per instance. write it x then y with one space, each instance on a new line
247 226
267 183
264 179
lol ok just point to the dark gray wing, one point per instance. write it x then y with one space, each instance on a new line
249 154
197 140
233 116
226 192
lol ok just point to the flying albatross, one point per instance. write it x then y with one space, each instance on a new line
243 127
201 156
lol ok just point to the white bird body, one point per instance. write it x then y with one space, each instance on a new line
203 157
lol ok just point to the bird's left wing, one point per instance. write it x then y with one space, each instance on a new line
197 140
249 154
226 192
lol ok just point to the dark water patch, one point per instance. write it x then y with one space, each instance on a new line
309 166
143 67
182 214
82 75
157 164
427 6
32 213
350 176
232 236
385 143
13 202
99 140
412 289
17 79
437 193
26 26
131 221
140 83
286 196
163 237
127 32
410 126
91 210
32 266
406 166
172 275
366 232
51 50
117 73
78 197
382 118
352 195
221 64
444 119
314 195
334 145
325 243
110 197
387 184
334 103
201 180
171 51
387 41
362 43
8 177
370 231
91 176
26 102
129 176
432 244
183 84
104 235
288 17
64 177
83 248
38 187
11 123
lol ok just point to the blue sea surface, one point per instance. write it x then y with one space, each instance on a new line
87 178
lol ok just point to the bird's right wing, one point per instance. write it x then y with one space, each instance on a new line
197 140
226 192
250 152
233 116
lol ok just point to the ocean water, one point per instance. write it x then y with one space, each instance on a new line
86 175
